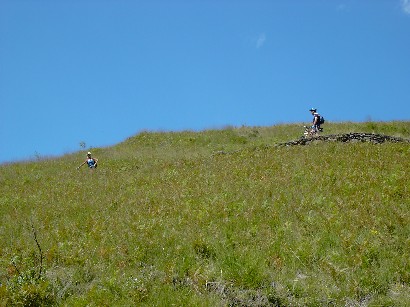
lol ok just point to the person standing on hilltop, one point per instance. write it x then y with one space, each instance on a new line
91 162
317 120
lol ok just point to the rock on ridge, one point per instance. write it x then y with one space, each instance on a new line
348 137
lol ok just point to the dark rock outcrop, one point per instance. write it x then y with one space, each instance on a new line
347 137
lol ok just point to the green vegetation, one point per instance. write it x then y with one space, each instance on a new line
212 218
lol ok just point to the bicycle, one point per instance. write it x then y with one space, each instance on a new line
311 131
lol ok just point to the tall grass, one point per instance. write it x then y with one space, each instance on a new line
212 218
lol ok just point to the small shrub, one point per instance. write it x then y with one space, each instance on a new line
27 290
204 251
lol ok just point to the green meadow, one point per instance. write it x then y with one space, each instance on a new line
221 217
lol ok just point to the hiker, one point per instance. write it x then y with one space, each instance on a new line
91 162
317 120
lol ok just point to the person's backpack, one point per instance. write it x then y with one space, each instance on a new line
321 120
91 162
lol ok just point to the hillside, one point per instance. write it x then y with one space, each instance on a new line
212 218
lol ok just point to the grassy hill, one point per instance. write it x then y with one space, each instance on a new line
212 218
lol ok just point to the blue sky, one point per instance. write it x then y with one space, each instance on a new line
101 71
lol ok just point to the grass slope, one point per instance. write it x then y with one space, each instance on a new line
166 220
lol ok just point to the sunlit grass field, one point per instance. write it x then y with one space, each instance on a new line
211 218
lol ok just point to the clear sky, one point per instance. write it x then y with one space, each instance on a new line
101 71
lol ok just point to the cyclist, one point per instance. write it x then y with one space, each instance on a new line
316 122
